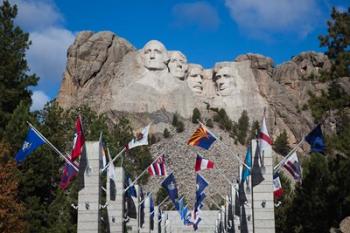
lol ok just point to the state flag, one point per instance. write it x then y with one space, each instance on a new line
316 140
140 138
31 143
202 164
157 168
169 184
277 187
202 137
293 166
78 141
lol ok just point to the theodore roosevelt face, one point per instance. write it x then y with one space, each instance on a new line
195 79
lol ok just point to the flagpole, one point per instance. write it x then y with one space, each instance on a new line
212 201
111 161
53 147
237 157
137 178
165 199
150 193
279 165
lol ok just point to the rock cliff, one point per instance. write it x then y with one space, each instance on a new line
107 73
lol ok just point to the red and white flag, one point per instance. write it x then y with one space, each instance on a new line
202 164
292 165
264 137
157 168
79 140
277 187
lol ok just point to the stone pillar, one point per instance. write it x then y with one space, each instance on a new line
164 223
146 228
115 206
263 205
89 194
155 220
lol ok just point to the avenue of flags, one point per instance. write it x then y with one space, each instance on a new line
202 138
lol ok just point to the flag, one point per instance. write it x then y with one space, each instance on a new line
184 213
248 162
277 187
202 164
78 141
142 207
67 176
32 141
264 137
316 140
202 138
151 210
112 181
158 167
293 167
257 169
102 153
140 139
169 184
131 192
180 204
201 185
199 201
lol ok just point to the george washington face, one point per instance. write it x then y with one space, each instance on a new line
155 55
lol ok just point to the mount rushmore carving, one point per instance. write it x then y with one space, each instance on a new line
108 74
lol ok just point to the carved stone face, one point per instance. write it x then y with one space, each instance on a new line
177 65
155 55
225 80
195 79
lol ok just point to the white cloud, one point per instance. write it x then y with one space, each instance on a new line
270 16
37 15
200 14
47 54
39 99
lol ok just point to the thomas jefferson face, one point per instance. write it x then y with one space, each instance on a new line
225 80
177 64
155 55
195 79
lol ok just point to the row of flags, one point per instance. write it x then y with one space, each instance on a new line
202 137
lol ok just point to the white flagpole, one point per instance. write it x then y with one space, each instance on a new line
137 178
111 161
212 201
165 199
237 157
149 194
53 147
280 164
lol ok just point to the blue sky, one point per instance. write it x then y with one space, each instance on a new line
205 31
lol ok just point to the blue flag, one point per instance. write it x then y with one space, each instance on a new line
131 192
180 204
199 202
248 162
316 140
32 141
184 213
151 206
201 185
169 184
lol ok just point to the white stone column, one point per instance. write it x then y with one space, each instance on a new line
155 220
164 223
115 207
263 205
146 228
89 194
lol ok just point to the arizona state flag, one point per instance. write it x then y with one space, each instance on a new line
202 138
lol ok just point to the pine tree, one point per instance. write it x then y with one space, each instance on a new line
196 116
337 41
281 144
243 127
13 65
